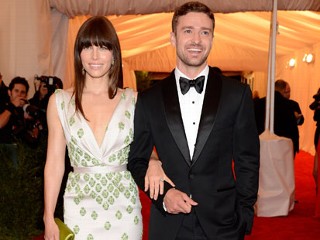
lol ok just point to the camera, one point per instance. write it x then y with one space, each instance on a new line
51 82
37 117
316 103
32 111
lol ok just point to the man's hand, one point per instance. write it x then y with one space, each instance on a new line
176 202
18 101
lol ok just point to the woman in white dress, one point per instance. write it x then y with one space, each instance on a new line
95 121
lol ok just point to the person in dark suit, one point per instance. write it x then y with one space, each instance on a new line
284 88
285 121
315 107
200 129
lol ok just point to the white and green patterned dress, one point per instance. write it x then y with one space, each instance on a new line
101 200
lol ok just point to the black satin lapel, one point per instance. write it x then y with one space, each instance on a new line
173 115
209 110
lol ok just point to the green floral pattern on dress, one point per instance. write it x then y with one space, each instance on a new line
113 197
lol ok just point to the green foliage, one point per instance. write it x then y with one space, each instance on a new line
143 80
21 190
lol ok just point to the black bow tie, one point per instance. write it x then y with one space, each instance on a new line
197 83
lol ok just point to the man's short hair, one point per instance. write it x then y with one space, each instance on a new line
191 7
280 85
19 80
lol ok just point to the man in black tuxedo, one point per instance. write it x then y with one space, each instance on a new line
200 129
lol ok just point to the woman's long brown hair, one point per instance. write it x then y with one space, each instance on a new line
97 31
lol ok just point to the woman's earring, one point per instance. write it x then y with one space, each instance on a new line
112 62
83 71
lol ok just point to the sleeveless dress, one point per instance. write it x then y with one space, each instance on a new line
101 199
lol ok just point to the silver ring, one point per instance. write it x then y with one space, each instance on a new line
161 180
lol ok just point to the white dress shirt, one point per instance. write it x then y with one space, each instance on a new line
191 107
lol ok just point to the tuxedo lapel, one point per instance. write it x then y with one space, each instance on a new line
173 115
209 110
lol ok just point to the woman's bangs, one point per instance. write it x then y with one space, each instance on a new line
95 39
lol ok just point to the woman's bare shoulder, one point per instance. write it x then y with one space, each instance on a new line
134 92
69 90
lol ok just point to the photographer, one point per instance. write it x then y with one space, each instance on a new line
44 86
3 91
15 123
41 96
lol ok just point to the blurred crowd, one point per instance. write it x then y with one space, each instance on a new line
23 118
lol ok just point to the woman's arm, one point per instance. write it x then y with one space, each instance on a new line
54 168
155 177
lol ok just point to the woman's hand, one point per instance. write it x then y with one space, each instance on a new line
155 177
51 230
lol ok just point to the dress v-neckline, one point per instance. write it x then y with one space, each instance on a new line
107 125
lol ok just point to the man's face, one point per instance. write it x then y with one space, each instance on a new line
193 40
286 92
18 93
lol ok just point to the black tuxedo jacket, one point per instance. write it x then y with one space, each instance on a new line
227 132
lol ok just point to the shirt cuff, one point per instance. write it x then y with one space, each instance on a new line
164 207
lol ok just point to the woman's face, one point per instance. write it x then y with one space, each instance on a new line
96 61
43 89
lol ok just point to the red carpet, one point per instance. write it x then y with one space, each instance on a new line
300 224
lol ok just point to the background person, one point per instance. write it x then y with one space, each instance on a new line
40 97
285 122
3 91
15 121
45 87
315 106
285 90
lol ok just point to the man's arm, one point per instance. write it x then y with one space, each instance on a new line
246 158
297 112
5 115
141 147
140 152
